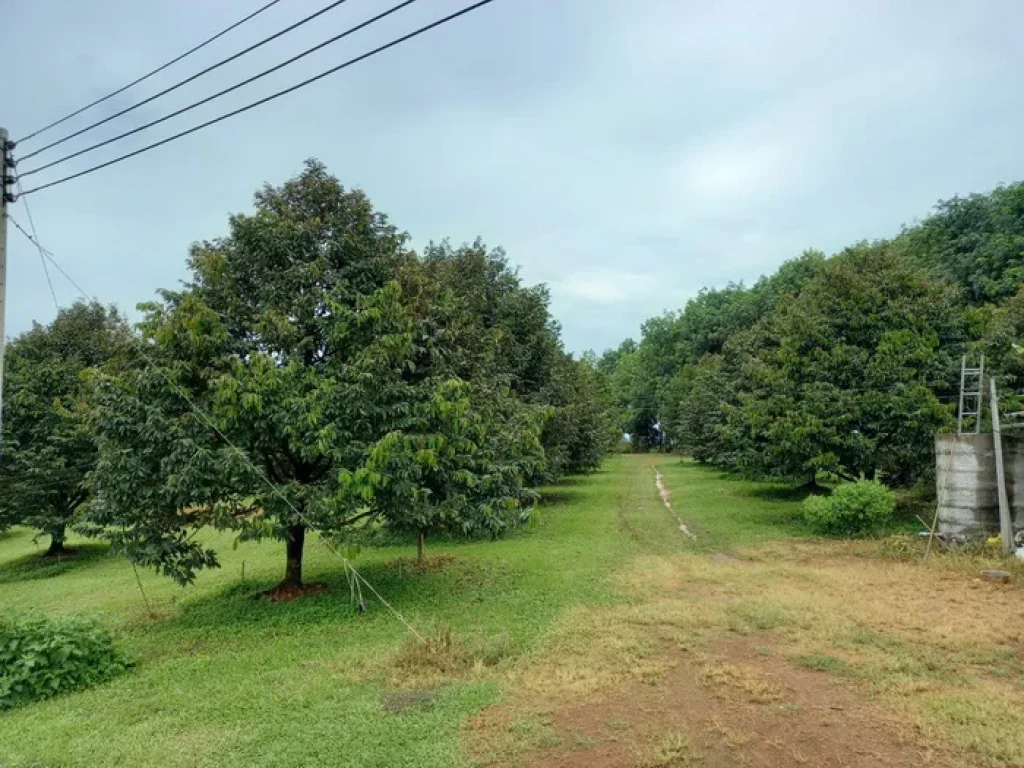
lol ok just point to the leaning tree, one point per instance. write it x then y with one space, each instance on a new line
48 446
274 369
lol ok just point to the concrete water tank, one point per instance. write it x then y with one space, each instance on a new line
966 483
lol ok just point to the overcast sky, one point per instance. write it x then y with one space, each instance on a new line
625 152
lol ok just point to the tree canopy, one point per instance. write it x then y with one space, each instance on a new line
314 373
48 448
292 337
845 378
840 365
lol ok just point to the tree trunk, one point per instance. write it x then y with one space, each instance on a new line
419 546
293 544
57 534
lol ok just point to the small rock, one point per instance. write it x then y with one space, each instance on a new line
1003 577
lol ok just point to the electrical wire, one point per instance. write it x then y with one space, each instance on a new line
49 256
272 97
224 92
181 83
148 75
205 418
42 258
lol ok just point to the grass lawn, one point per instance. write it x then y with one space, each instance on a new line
600 635
223 678
728 513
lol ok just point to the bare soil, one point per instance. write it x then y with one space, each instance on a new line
741 707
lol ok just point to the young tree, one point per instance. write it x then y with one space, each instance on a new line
293 338
460 464
48 447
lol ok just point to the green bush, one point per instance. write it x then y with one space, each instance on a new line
41 657
852 509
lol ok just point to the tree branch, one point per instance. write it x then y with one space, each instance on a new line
357 517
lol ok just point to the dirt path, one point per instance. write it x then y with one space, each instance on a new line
796 653
738 707
736 702
666 497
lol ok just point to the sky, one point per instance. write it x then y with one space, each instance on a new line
626 153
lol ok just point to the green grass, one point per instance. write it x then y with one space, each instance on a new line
728 513
570 603
223 678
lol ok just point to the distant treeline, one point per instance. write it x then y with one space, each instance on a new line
836 366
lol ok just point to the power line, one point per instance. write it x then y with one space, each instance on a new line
148 75
179 84
272 97
42 258
45 252
205 418
217 95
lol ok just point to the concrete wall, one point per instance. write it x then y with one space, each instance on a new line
966 484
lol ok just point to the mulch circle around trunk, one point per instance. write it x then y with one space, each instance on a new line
284 593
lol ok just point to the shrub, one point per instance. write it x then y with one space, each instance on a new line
852 509
450 654
41 657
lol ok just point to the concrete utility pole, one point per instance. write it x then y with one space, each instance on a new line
1005 524
6 197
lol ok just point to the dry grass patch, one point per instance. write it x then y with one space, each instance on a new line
596 648
747 680
928 640
729 737
931 639
673 751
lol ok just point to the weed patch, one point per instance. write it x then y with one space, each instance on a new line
442 653
673 751
534 731
401 702
41 658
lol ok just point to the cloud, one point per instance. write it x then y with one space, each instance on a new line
625 153
606 286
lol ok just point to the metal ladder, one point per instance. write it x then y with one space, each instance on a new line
971 385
